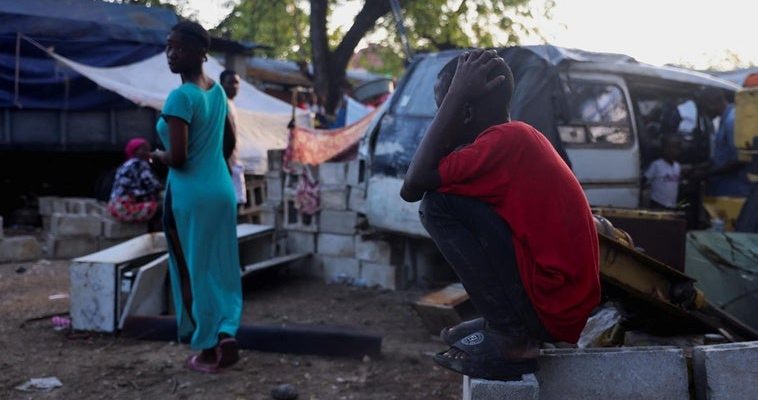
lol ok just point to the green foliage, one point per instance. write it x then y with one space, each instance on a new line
281 24
432 25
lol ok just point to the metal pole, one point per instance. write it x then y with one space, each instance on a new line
397 13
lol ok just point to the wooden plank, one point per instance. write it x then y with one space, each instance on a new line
443 308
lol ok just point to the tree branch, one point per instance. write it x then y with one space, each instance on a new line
365 21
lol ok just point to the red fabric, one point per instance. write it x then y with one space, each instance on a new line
514 168
315 146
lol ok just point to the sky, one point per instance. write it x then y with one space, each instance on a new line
695 33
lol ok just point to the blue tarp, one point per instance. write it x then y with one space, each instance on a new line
87 31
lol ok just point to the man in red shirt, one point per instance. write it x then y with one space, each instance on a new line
511 219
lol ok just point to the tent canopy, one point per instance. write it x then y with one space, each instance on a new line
263 119
91 32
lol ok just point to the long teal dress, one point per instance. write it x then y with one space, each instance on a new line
201 204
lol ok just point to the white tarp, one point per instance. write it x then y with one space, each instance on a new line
355 111
262 119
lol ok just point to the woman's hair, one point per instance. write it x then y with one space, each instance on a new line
194 32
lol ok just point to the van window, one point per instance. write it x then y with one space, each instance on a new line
417 96
598 116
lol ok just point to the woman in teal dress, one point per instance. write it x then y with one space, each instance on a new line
200 206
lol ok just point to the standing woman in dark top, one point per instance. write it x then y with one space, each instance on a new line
200 207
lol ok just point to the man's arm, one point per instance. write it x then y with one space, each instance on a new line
447 130
442 137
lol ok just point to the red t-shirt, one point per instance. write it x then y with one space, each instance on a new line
514 168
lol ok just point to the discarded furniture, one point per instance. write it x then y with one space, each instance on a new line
101 282
128 279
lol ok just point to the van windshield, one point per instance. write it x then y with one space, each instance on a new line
417 97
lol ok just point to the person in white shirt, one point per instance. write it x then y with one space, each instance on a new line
663 175
230 81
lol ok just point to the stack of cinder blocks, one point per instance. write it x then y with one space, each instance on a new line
719 372
255 189
18 248
344 251
80 226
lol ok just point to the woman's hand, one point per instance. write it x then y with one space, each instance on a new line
158 155
470 80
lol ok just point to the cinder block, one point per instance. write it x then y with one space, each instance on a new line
65 225
19 248
336 245
356 173
378 251
340 269
97 208
71 247
272 215
46 205
113 229
46 221
343 222
650 373
333 197
275 157
726 371
273 174
357 200
332 174
298 221
479 389
255 191
82 205
105 243
274 189
384 276
301 242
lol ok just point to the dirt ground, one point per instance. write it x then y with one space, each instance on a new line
110 367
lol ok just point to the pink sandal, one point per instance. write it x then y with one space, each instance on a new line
194 364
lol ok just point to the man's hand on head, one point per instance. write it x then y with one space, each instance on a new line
471 75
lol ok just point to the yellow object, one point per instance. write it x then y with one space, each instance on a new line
746 122
726 208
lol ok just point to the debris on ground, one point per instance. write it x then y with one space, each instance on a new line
60 323
599 326
284 392
40 384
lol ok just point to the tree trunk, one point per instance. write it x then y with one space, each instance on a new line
320 53
329 67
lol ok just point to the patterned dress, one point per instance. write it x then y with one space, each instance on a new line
134 197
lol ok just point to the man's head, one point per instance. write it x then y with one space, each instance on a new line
491 109
230 81
713 102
